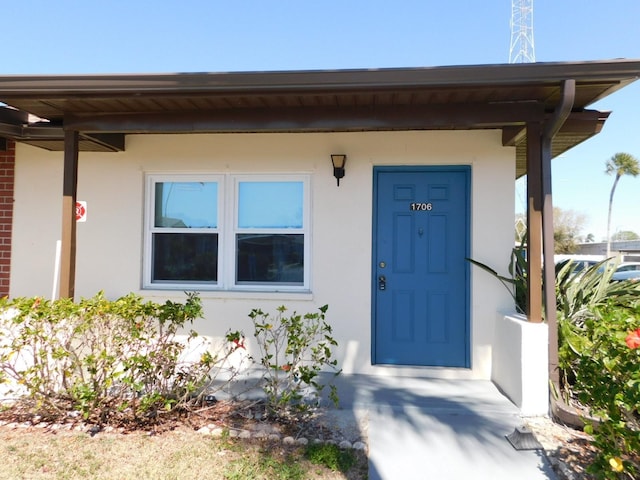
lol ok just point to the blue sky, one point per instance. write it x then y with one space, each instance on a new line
141 36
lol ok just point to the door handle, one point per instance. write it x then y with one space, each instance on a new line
382 282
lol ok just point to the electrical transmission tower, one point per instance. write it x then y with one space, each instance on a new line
521 49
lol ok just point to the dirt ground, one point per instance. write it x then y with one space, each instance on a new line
569 451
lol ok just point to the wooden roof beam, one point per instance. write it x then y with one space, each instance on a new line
44 131
404 117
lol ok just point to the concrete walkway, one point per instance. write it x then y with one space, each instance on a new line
436 429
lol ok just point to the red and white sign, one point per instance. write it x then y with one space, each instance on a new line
81 211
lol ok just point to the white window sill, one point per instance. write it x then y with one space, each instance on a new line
231 294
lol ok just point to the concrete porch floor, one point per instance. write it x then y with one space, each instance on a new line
426 428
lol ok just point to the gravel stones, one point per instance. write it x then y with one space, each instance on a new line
262 435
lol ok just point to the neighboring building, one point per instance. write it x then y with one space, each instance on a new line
223 183
629 249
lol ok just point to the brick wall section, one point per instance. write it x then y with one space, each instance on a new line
7 175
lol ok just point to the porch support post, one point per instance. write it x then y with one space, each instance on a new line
548 243
69 194
560 116
534 222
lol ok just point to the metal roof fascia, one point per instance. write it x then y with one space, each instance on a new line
328 80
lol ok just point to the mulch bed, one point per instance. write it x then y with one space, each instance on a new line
232 415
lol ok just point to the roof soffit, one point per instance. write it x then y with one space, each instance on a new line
485 96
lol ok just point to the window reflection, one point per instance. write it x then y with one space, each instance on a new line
270 258
186 205
270 205
184 257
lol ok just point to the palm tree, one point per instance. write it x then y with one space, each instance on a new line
620 164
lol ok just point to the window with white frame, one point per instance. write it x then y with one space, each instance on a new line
227 232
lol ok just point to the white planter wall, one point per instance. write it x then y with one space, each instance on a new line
521 363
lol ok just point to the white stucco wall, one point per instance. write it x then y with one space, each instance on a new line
109 250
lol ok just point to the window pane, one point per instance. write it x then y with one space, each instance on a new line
270 259
270 204
186 204
185 257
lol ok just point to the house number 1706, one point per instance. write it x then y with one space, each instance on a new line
422 207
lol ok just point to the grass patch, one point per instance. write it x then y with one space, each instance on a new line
178 455
330 456
269 464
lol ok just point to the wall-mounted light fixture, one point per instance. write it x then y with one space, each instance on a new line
338 166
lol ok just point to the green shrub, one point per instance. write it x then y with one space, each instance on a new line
104 358
602 353
294 349
577 294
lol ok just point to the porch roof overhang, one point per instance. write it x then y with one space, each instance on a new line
546 101
104 108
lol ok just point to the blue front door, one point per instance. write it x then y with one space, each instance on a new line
420 275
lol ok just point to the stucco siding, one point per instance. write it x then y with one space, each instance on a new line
110 243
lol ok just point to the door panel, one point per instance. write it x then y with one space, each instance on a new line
420 284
